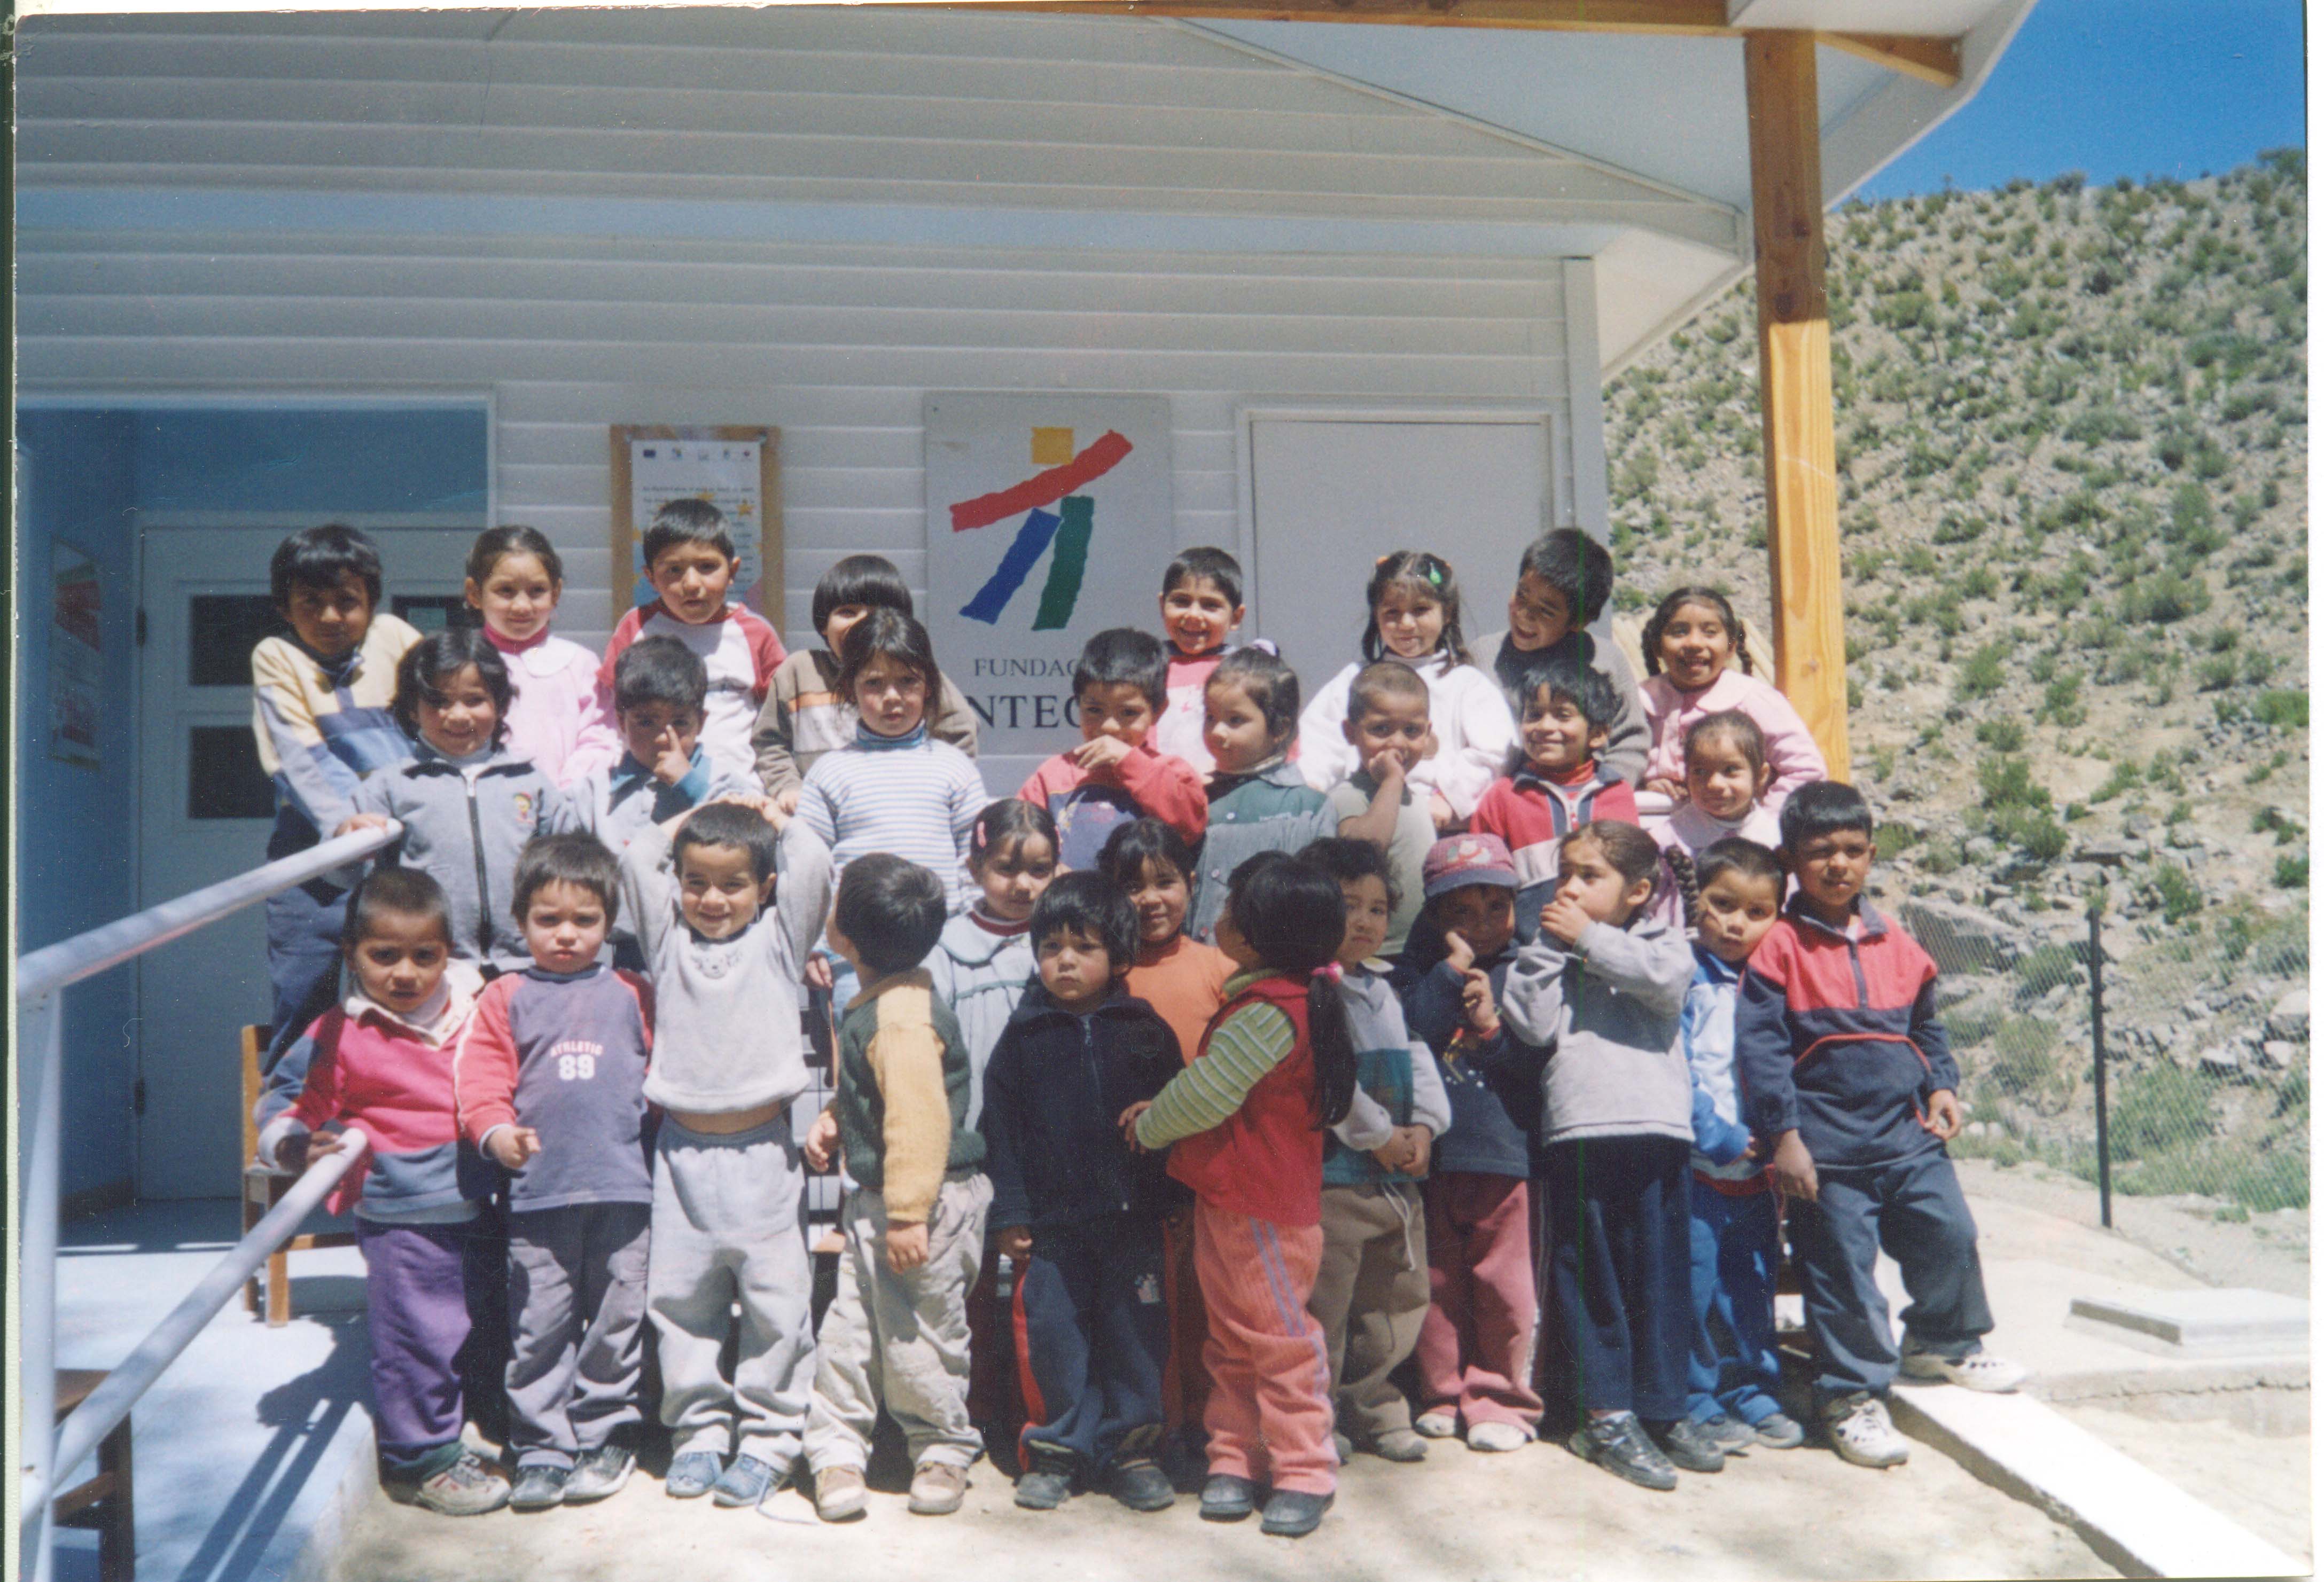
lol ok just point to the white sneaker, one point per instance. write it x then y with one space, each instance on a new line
1980 1370
1863 1434
1497 1436
1437 1425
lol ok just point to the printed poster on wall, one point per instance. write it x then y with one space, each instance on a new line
76 656
1049 520
732 468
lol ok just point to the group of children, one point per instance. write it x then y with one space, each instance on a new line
1293 1071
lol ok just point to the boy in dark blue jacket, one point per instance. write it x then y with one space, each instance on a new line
1075 1209
1847 1071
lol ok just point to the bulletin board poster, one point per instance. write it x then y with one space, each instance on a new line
76 656
1049 520
735 469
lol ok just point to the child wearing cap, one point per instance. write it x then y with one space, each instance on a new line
1475 1352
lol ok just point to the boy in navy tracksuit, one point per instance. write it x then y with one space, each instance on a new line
550 1080
1847 1071
1078 1210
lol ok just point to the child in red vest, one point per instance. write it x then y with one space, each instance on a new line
1277 1066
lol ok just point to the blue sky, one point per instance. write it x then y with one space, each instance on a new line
2122 87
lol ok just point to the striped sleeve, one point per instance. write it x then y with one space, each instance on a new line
1240 1050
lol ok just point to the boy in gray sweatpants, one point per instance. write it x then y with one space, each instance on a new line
726 941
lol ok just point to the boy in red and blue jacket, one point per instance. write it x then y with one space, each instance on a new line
1847 1072
1116 775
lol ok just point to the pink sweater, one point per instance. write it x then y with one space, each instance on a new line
558 717
1791 752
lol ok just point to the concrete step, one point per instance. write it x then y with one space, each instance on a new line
2236 1322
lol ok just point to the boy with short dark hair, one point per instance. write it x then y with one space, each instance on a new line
728 945
1564 578
1847 1071
1077 1210
1388 725
1202 606
660 689
549 1079
807 712
322 708
1561 780
1116 774
896 1334
690 561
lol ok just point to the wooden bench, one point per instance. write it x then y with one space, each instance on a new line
262 1189
105 1502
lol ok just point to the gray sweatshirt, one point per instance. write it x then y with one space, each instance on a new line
727 1012
1609 1011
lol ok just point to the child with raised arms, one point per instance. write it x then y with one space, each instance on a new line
1559 780
1564 578
1259 801
1202 606
322 709
690 561
1277 1066
1372 1284
1116 774
1602 987
726 943
551 1083
1077 1209
382 1062
1413 619
807 712
1689 645
1732 1370
467 803
558 713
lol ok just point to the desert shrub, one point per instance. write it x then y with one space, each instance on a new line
1984 673
2005 781
2165 597
2001 735
2286 710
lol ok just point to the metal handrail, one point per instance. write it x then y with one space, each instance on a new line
40 979
85 955
111 1401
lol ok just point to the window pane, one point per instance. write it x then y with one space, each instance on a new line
222 778
221 630
433 611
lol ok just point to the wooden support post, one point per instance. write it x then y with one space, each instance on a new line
1779 75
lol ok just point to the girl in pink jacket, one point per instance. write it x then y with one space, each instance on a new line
1687 646
557 715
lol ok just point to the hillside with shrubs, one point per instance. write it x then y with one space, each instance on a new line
2072 448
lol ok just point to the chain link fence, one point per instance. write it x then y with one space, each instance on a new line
2180 1108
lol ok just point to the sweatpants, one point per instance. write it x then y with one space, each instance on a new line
1619 1266
302 960
1913 1210
728 1229
1731 1368
1092 1338
1185 1382
899 1341
1371 1296
576 1295
1269 1414
1477 1338
426 1291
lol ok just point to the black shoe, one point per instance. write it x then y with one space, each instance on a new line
1292 1515
1688 1444
690 1474
1142 1485
1621 1446
537 1488
1048 1482
1229 1498
745 1482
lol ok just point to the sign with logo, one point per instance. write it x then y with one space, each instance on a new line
1049 520
735 469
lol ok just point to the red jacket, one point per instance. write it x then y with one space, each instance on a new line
1532 812
1266 1159
1089 807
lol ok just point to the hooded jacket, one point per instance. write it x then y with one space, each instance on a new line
1054 1094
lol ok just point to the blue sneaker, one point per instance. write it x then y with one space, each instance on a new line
745 1483
691 1475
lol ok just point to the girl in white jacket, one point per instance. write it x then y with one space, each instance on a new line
1415 619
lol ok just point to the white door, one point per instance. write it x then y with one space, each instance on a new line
1329 496
205 809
